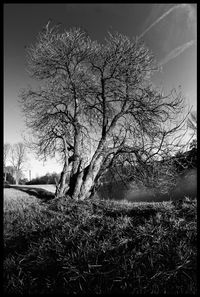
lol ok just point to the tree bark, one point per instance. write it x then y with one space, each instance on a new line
61 188
16 177
82 181
88 185
77 185
5 176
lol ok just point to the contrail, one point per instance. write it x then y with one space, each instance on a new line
161 18
177 51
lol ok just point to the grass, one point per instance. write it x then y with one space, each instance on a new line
47 187
69 247
44 192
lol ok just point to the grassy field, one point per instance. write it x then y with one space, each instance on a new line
50 188
100 247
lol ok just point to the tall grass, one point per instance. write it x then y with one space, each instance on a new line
98 246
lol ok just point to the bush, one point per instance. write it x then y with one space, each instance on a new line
10 179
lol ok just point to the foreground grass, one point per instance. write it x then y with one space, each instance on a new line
98 247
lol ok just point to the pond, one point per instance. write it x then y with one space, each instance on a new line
186 186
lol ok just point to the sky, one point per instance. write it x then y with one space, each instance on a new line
169 30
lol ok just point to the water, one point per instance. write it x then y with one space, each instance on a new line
186 186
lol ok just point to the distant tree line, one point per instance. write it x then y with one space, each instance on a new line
48 178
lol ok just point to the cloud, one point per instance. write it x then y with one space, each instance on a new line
177 51
159 19
189 8
192 16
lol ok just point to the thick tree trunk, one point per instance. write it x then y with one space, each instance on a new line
88 185
82 181
72 186
62 186
75 184
76 178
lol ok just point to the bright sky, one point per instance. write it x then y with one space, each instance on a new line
169 30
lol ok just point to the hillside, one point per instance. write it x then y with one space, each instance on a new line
101 247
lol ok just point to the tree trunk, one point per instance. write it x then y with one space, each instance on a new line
88 185
76 176
82 181
16 177
76 182
5 176
61 187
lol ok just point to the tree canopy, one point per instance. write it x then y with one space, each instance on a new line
95 104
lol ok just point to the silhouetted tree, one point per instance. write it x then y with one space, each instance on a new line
10 179
95 104
9 174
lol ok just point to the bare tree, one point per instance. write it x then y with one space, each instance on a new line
192 125
18 158
96 102
192 122
6 151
